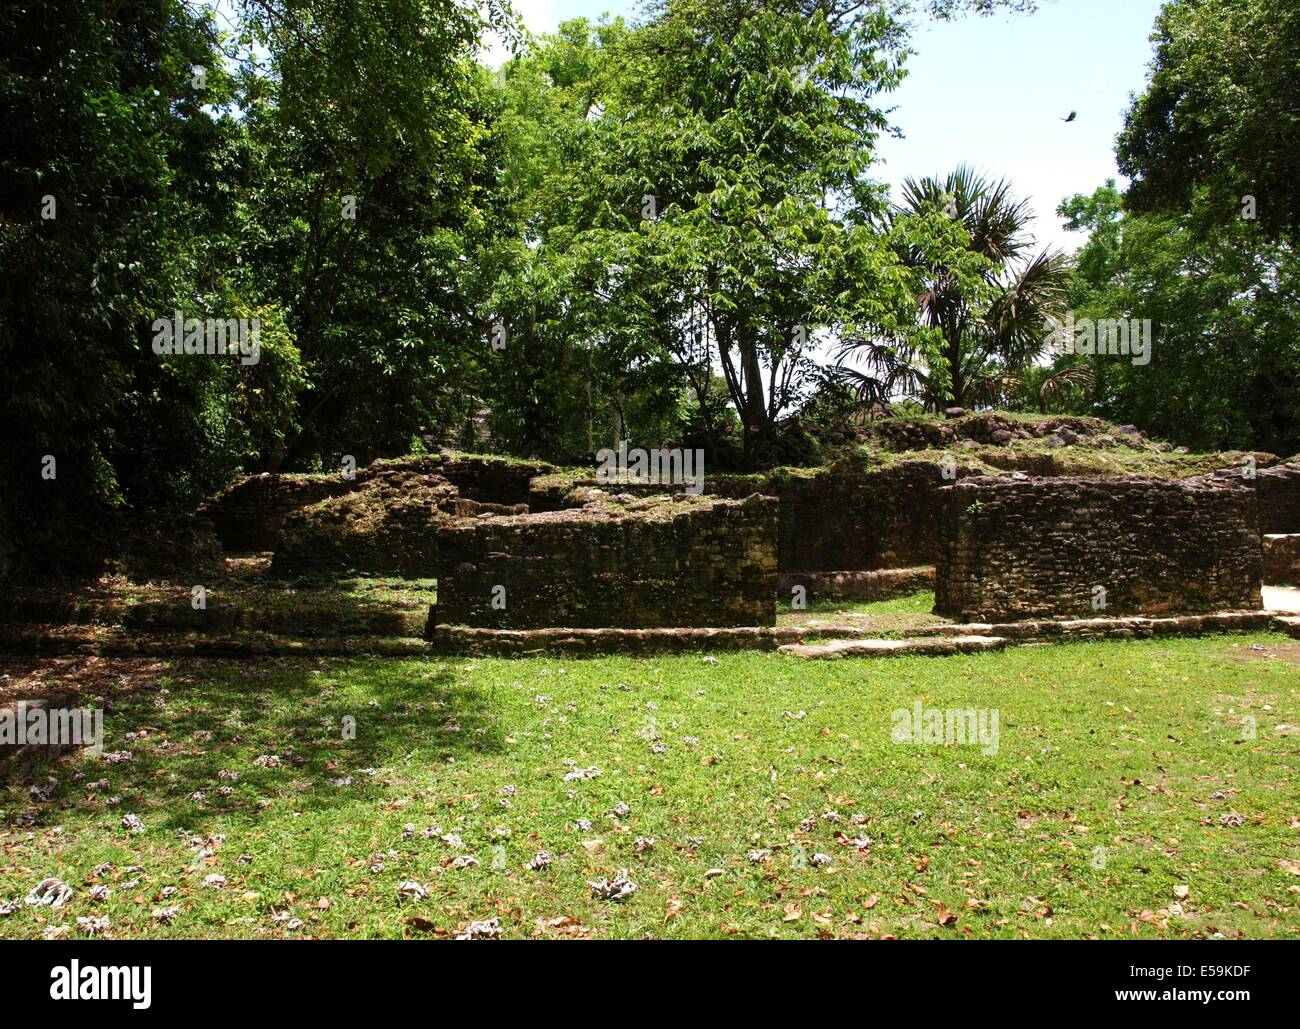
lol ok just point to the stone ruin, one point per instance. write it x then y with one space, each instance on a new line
516 545
1015 548
651 562
599 560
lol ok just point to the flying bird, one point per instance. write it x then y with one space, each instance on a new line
1071 117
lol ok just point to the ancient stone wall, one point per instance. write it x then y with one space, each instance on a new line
174 545
842 518
388 526
1282 559
845 518
1014 547
249 513
492 480
1278 489
880 584
659 561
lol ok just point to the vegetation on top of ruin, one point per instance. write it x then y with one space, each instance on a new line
1034 443
617 500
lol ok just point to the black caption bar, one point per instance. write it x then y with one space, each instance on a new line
146 979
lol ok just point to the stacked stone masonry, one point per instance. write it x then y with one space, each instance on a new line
598 556
1278 489
842 518
1015 548
388 526
669 562
1282 559
249 513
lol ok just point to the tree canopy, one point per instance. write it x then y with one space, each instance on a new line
660 230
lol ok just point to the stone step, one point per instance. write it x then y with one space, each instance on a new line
309 613
1289 624
1118 627
924 645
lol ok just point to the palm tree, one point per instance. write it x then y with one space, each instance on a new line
985 340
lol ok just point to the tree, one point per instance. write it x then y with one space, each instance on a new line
1203 241
988 302
1224 303
723 146
375 148
108 218
568 375
158 164
1220 117
695 190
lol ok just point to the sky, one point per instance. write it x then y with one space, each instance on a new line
991 92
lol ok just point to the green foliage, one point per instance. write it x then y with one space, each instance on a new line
1220 118
1225 365
984 301
368 196
718 149
1203 242
669 221
101 116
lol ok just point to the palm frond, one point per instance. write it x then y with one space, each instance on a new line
1054 387
1034 296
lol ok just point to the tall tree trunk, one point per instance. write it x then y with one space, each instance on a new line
756 417
616 421
956 373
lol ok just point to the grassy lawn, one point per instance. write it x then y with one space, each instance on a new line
911 604
883 617
1126 796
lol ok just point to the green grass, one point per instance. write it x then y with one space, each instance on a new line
884 618
1135 748
910 604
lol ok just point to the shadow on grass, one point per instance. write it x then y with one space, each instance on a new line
234 601
247 736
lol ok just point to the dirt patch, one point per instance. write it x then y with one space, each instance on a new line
1288 652
26 678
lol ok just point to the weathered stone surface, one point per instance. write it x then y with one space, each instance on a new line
847 517
1278 489
853 518
470 641
249 513
1133 627
490 480
388 526
660 561
459 639
1016 548
924 645
880 584
1282 558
